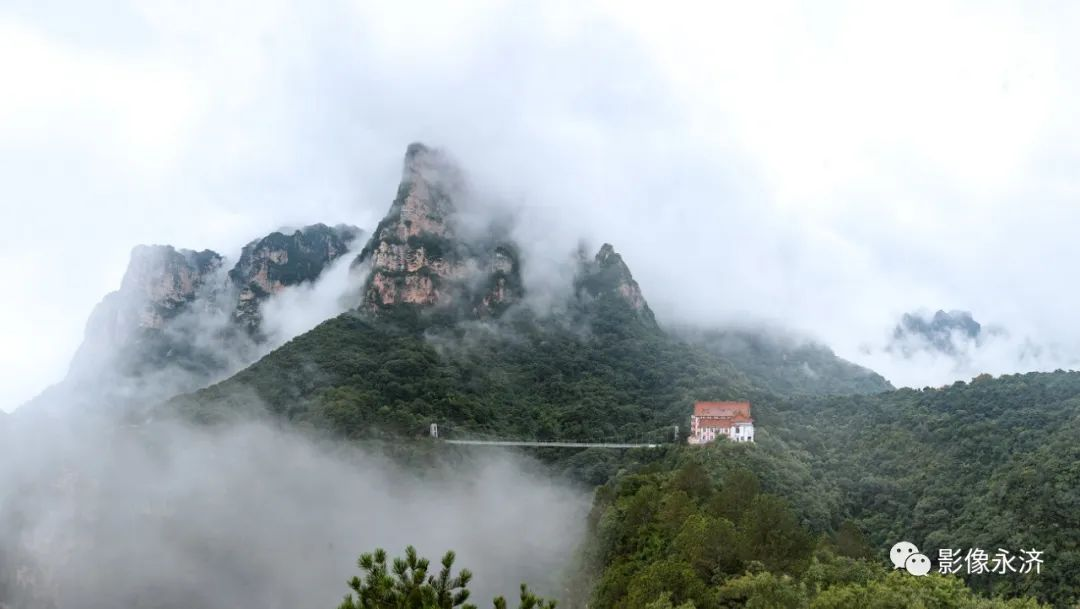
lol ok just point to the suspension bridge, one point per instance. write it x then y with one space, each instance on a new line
655 439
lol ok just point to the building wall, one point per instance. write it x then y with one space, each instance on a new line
740 432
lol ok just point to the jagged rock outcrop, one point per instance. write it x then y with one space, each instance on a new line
179 321
504 286
418 256
282 259
606 277
160 283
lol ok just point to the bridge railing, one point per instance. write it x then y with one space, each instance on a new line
665 435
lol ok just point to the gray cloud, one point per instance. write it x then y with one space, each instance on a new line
106 516
297 309
938 354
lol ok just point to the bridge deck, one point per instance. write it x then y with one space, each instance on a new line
555 444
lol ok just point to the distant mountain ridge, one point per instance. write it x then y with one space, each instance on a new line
943 332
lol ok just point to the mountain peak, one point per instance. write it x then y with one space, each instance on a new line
417 256
160 280
608 276
420 157
607 256
944 332
159 285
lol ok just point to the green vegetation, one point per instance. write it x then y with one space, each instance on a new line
786 365
578 377
990 464
675 538
404 583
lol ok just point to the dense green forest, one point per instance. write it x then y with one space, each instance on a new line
994 463
601 372
990 464
682 534
598 371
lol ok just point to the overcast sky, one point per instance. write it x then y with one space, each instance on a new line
824 165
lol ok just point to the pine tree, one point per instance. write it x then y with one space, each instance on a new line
405 584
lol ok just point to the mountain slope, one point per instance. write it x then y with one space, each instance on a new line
990 464
993 464
785 364
599 373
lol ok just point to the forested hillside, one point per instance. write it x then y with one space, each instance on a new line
601 373
994 463
785 364
687 534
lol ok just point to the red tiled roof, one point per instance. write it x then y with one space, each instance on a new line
722 409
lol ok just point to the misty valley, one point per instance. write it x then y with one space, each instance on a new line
256 429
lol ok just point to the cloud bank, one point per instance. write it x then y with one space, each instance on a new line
168 515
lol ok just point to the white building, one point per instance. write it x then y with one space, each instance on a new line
712 420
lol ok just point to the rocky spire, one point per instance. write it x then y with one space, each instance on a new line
418 257
606 276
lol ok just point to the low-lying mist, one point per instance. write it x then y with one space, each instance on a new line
170 515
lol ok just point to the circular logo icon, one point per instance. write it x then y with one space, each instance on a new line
917 564
900 553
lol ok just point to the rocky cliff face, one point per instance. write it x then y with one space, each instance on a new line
607 278
161 283
179 321
417 255
281 259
